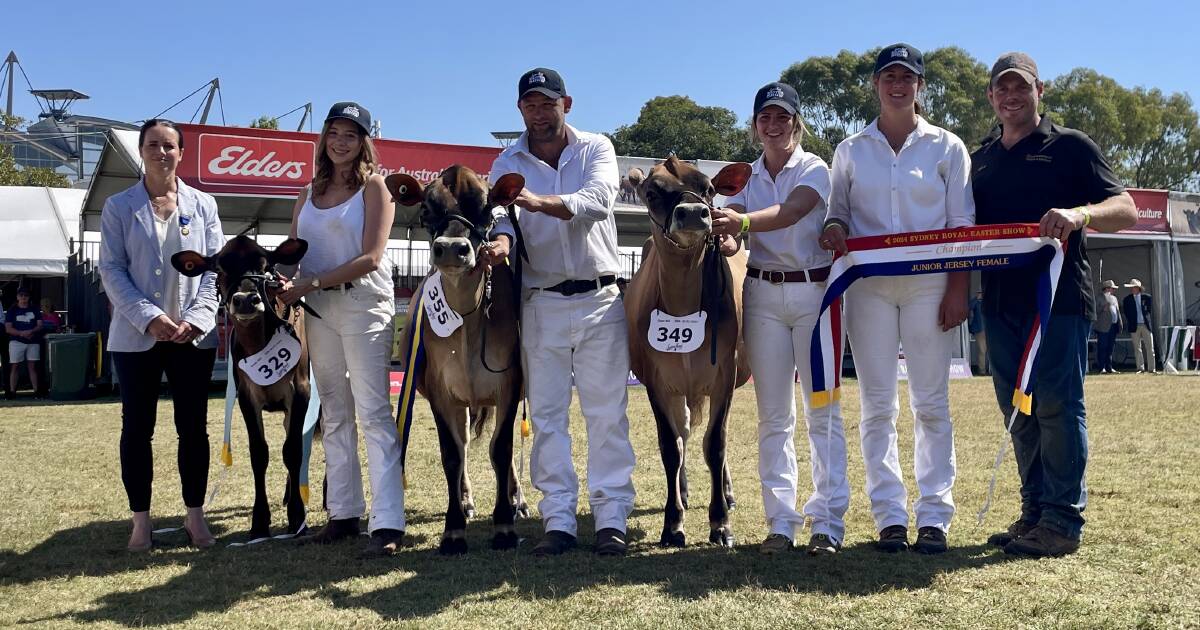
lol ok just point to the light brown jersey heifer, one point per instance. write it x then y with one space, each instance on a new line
471 362
684 310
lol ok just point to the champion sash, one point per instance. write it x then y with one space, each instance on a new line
414 362
985 248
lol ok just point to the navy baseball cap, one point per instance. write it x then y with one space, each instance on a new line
543 80
777 93
903 54
351 111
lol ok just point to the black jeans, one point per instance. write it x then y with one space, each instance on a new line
1105 341
189 371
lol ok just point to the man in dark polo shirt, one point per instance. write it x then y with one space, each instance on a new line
1038 172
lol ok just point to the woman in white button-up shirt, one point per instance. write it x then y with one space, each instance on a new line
786 198
902 174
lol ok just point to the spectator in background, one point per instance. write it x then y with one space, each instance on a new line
22 323
1108 324
1139 323
51 321
975 327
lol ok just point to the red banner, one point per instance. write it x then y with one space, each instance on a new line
1152 212
269 163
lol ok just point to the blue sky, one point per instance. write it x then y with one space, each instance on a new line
446 71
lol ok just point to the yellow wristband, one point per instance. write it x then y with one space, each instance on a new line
1087 215
745 223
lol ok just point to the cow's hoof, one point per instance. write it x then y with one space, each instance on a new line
672 539
722 537
522 510
453 546
684 500
502 541
730 504
469 510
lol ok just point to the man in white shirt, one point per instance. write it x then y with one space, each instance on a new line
572 319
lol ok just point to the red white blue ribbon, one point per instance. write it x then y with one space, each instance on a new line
987 247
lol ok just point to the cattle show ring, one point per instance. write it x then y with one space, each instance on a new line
466 559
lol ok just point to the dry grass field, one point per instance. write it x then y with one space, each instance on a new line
63 527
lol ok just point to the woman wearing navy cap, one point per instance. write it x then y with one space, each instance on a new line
786 194
902 174
162 322
346 216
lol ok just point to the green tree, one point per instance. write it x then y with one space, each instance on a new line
265 122
12 174
677 125
1150 139
837 97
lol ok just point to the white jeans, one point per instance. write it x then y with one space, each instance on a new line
881 314
354 335
779 321
582 335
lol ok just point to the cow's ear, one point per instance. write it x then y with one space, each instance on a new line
506 189
288 252
732 179
192 264
405 189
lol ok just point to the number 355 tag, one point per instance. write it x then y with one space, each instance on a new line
274 361
668 333
441 317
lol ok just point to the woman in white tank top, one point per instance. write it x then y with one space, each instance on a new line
346 216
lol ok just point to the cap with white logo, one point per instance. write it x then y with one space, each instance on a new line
780 94
902 54
353 112
543 80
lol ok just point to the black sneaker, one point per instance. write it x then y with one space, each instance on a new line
823 545
334 530
384 542
554 543
610 541
893 539
1018 529
1042 542
931 540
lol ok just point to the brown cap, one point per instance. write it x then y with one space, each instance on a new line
1018 62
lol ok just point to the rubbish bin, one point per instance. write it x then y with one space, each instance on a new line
70 365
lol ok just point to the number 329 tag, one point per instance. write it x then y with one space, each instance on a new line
274 361
668 333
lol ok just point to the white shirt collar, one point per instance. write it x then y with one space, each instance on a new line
759 166
522 143
923 129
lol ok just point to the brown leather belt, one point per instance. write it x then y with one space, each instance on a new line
820 274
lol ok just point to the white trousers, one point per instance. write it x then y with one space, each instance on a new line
582 335
881 314
779 321
350 348
1143 348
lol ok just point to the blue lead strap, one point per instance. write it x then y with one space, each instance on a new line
310 427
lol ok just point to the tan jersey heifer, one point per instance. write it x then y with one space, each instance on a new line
476 365
683 365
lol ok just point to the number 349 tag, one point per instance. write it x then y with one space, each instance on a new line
668 333
274 361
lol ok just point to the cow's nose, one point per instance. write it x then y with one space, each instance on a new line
255 300
237 301
461 249
691 217
452 251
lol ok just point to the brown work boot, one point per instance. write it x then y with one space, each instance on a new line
1018 529
775 544
610 541
1042 542
554 543
335 530
892 539
384 542
931 540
